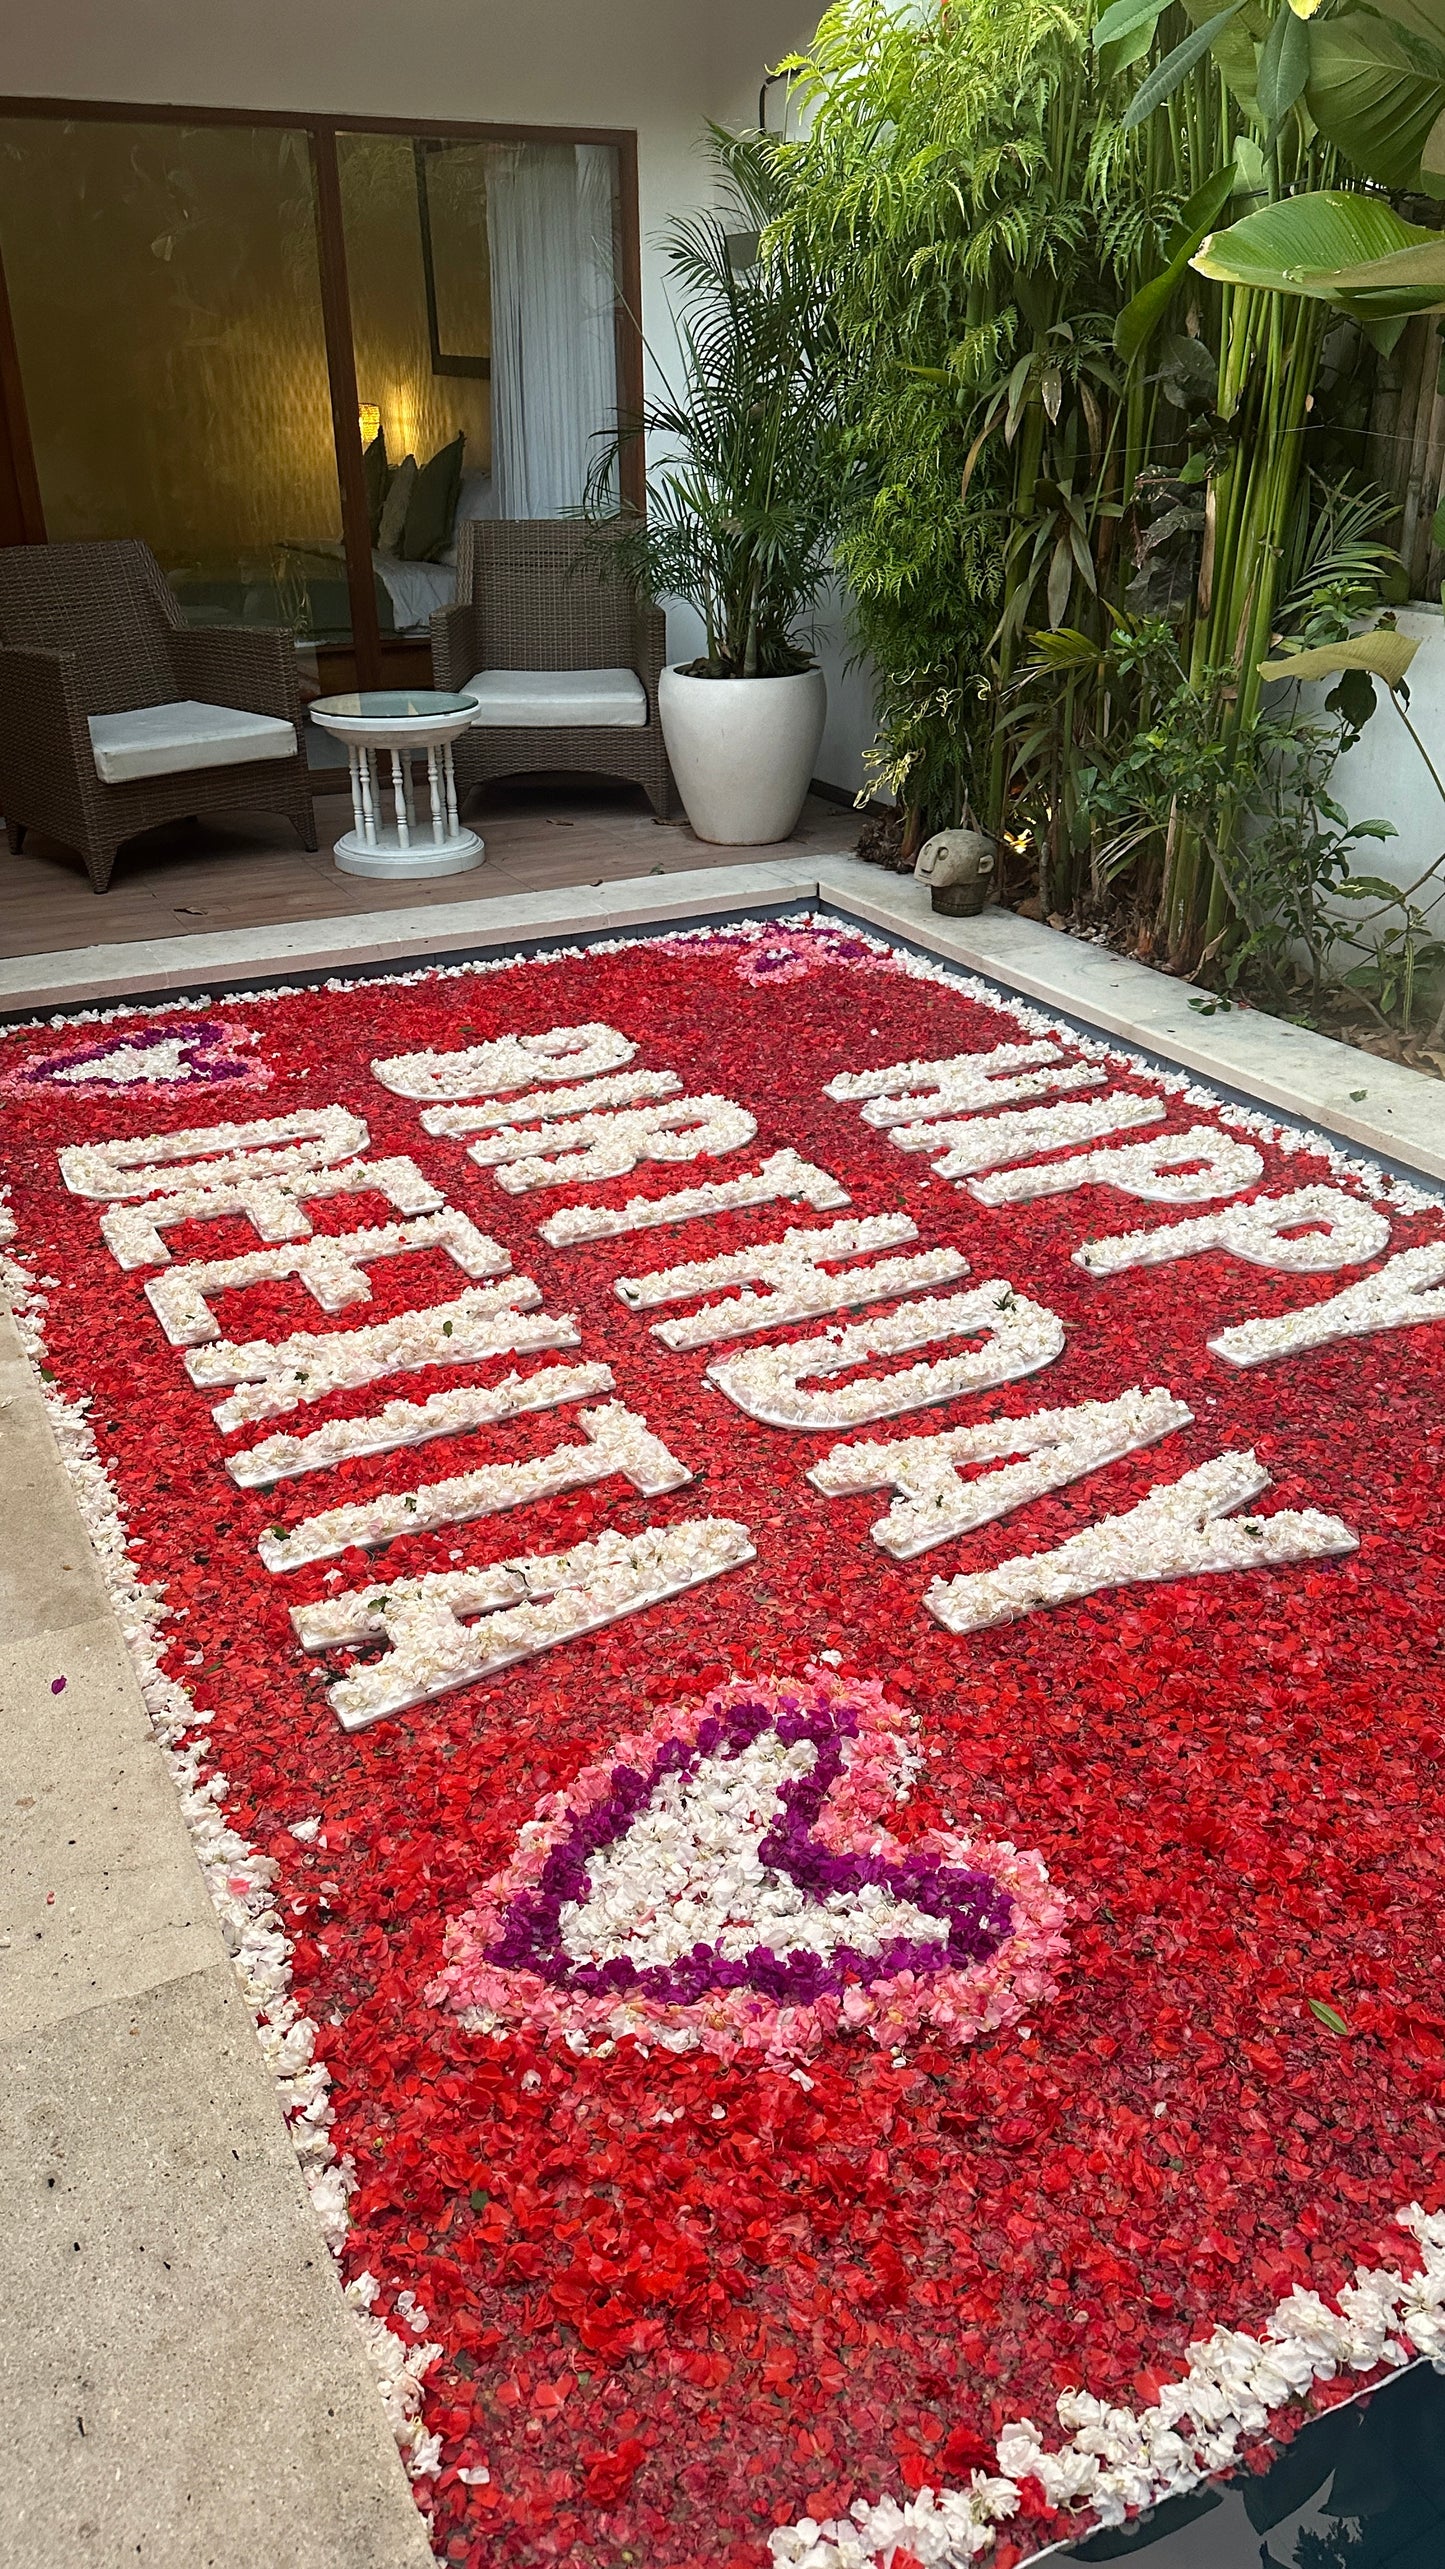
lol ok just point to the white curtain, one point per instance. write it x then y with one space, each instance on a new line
554 364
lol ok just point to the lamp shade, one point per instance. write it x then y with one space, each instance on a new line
369 421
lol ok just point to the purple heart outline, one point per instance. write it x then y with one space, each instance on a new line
978 1911
505 1964
215 1056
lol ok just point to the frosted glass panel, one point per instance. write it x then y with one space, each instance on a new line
166 292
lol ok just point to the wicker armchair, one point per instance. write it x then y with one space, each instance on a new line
532 596
94 630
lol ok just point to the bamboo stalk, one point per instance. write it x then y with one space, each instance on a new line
1415 437
1422 561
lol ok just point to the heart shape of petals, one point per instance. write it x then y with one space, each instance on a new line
723 1882
202 1054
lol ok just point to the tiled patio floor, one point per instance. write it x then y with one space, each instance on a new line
200 876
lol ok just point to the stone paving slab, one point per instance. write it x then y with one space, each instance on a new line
100 1894
181 2382
49 1577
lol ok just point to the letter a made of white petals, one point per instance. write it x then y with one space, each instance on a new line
934 1502
453 1627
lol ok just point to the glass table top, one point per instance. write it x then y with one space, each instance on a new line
392 705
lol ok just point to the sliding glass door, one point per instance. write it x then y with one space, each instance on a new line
484 303
165 291
296 358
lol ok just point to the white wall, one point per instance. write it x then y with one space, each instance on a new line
1385 778
852 717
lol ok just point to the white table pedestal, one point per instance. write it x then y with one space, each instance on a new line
389 835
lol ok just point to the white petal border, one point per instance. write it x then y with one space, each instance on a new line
1111 2462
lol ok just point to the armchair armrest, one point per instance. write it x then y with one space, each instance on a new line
456 645
252 667
650 651
43 726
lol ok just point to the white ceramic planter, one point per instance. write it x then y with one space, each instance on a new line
742 751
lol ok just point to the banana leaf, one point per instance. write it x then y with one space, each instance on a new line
1127 50
1125 32
1167 75
1124 17
1385 654
1283 68
1233 48
1141 316
1352 251
1422 18
1373 93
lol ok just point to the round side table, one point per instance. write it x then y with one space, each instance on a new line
388 836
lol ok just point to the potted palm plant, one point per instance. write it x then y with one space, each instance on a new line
739 513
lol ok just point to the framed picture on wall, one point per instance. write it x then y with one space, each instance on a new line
451 212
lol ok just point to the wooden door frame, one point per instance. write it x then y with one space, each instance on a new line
341 373
22 519
22 515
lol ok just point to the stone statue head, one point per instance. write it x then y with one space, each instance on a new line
957 866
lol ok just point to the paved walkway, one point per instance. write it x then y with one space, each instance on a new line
183 2385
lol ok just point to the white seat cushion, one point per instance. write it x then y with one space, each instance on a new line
164 740
550 699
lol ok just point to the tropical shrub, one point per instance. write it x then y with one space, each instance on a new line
741 497
1084 406
941 198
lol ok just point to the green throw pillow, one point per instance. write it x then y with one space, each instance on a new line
432 507
399 488
373 465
